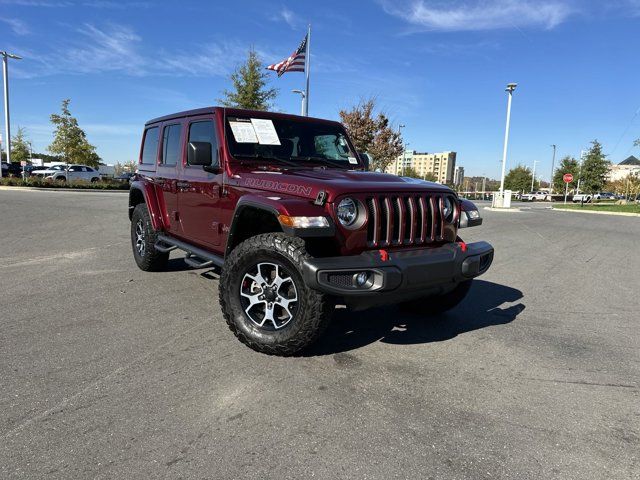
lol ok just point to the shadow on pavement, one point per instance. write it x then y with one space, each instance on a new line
351 330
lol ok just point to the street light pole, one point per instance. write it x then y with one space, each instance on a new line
7 128
303 95
401 125
553 164
533 177
510 88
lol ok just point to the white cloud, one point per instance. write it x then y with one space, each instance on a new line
287 16
18 26
119 49
466 15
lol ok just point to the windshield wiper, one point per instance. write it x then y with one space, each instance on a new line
325 161
270 157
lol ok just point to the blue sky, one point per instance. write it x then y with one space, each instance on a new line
439 67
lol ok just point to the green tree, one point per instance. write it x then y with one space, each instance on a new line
519 179
594 169
410 172
130 166
372 133
250 89
567 165
19 146
70 141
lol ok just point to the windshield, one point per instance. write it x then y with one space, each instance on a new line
293 142
57 167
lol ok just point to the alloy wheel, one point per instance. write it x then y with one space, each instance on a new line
268 295
140 240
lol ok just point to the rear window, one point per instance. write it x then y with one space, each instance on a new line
150 146
171 144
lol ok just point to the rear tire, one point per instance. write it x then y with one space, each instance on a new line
438 304
264 299
143 240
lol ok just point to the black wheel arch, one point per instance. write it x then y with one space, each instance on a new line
254 218
136 196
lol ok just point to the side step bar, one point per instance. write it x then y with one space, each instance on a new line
196 257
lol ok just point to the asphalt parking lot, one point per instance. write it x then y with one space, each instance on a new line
110 372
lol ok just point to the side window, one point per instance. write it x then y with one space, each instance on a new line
150 146
75 168
205 132
171 144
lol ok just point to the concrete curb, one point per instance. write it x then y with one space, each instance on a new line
54 189
508 210
617 214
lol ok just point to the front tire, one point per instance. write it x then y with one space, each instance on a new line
438 304
264 299
143 241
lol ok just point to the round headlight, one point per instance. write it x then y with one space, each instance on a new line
447 208
347 212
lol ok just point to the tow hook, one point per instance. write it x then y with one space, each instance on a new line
384 255
463 246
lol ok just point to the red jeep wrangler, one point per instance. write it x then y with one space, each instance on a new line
285 206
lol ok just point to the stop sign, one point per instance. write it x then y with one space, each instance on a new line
567 178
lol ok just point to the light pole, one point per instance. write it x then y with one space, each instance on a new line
510 88
553 164
533 177
401 125
303 95
7 129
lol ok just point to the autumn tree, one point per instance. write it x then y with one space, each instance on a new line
519 179
372 133
567 165
19 146
595 167
250 88
70 141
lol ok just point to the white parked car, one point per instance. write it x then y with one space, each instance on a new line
582 197
533 196
62 173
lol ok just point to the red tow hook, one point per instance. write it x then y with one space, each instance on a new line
463 246
384 255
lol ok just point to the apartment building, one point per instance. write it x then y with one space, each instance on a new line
442 165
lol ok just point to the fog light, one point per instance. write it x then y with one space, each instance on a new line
361 279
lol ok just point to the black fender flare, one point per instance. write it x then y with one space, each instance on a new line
275 210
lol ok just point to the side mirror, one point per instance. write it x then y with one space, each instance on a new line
469 214
199 153
365 159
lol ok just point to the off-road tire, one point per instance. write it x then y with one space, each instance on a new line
438 304
313 311
151 260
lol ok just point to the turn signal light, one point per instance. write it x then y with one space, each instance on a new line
303 222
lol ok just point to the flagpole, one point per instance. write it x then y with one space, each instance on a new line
307 61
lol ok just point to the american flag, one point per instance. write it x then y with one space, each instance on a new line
295 62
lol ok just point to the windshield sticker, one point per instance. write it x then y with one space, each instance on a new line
265 131
353 160
243 132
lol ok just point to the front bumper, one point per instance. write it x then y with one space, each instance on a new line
403 275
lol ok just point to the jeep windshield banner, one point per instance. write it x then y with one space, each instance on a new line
290 141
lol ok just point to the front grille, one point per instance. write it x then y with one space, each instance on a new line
405 219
